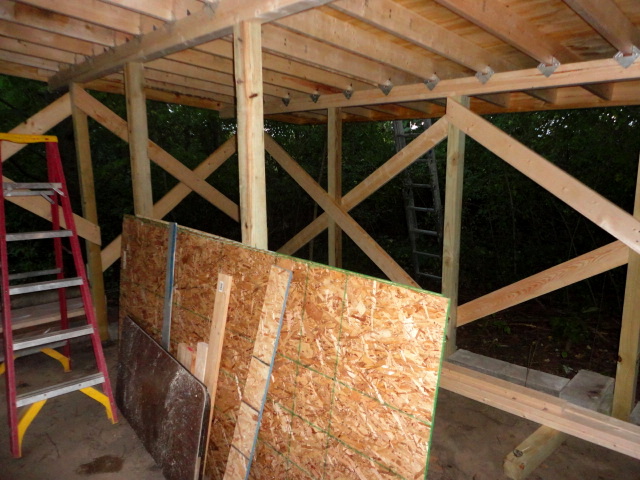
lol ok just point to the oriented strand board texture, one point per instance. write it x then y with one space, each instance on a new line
355 380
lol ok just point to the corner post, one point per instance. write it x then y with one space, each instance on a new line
138 139
89 211
247 55
334 181
452 224
624 393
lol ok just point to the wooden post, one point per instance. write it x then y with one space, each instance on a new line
138 139
624 394
452 225
247 53
334 181
89 212
534 450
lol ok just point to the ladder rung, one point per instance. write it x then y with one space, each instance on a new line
32 350
428 275
431 233
39 273
51 337
425 254
422 209
14 237
42 286
59 389
10 186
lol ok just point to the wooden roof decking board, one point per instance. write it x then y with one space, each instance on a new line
326 48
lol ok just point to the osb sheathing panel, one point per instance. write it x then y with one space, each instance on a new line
355 379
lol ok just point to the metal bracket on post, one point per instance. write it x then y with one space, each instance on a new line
627 60
168 286
548 69
432 82
386 87
485 75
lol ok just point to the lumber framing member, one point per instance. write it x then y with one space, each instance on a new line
89 211
534 450
334 181
138 139
624 394
247 51
452 225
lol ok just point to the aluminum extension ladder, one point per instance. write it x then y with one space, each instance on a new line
53 191
423 207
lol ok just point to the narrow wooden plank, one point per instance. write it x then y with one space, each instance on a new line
534 450
185 355
118 126
368 245
45 313
453 225
213 21
264 353
383 174
138 139
334 181
624 394
575 270
249 97
596 208
542 408
90 212
199 369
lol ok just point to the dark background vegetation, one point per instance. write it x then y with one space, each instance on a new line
512 228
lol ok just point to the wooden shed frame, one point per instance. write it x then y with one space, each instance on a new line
288 60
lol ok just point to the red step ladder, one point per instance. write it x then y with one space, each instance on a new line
55 192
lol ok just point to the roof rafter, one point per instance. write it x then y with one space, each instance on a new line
499 20
608 20
213 21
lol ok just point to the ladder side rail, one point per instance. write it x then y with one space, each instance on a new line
10 373
54 154
53 177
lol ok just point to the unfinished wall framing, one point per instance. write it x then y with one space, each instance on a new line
355 379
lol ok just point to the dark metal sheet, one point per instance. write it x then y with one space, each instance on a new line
166 405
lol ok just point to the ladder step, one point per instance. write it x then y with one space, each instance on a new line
42 286
39 273
422 209
13 186
428 275
59 389
51 337
14 237
425 254
431 233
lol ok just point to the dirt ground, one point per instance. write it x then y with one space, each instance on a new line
72 439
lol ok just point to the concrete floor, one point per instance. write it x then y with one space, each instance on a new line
72 439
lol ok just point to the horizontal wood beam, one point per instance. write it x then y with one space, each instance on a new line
173 197
385 173
215 20
584 200
338 213
118 127
575 270
543 408
567 75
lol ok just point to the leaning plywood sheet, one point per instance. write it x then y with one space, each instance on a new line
355 378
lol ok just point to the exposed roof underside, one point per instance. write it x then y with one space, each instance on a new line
346 53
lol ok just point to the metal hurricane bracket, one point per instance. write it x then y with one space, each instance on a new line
548 69
628 59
